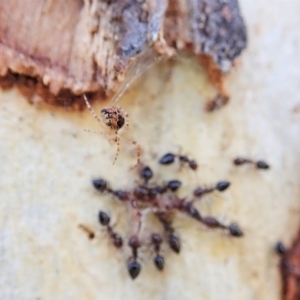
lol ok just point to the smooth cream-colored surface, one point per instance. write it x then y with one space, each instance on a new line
47 161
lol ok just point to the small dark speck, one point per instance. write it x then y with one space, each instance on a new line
21 119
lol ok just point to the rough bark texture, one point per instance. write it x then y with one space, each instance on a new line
87 46
290 271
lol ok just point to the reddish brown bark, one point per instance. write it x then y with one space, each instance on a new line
87 46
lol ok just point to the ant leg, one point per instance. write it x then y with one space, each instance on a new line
93 113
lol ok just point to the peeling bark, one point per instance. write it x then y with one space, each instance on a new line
76 47
290 271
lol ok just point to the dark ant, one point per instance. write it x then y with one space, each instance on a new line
169 158
216 103
102 186
173 240
172 185
134 267
280 248
233 228
104 220
260 164
158 260
221 186
210 222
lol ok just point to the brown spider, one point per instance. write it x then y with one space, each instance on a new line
114 118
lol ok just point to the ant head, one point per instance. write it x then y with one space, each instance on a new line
134 269
104 219
159 262
117 240
121 195
99 184
193 165
239 161
198 192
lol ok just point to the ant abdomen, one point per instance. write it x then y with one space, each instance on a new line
174 185
146 173
174 243
104 219
167 159
280 248
159 262
100 184
134 269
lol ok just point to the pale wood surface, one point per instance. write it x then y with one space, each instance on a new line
47 161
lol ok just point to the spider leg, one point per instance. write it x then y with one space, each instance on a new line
93 113
117 140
